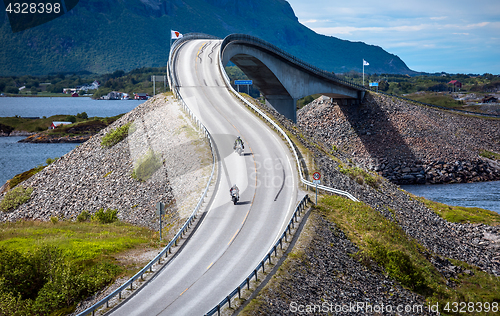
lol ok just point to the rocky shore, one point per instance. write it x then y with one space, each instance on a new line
46 138
91 177
406 143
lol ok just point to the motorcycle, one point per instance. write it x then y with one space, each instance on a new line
235 197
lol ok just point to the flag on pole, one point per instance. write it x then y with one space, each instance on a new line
365 63
175 34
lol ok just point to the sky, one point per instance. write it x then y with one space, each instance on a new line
453 36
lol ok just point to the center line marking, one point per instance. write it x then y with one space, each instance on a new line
184 291
210 265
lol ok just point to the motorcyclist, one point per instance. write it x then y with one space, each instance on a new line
234 191
237 142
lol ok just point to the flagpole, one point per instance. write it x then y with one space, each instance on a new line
363 72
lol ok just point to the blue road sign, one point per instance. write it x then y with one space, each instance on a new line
242 82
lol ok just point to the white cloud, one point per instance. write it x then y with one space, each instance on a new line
421 33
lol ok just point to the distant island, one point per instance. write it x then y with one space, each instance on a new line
55 129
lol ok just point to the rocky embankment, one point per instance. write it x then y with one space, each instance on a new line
91 177
476 244
406 143
323 275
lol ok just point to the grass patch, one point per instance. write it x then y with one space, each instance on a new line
115 136
440 99
47 268
361 176
14 198
461 214
489 154
403 258
147 165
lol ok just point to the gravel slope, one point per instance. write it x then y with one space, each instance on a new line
91 177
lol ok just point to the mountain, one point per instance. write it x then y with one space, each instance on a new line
103 36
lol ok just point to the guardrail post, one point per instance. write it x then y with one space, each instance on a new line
255 271
239 292
120 295
248 283
229 301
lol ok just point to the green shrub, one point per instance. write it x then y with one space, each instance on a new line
50 160
115 136
71 118
83 216
82 115
146 166
54 220
105 217
398 265
44 282
15 197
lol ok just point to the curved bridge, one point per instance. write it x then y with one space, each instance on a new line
281 77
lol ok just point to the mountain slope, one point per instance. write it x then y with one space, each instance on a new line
102 36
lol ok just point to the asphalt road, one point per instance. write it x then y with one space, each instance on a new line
232 239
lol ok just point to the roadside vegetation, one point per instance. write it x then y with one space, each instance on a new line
46 268
385 243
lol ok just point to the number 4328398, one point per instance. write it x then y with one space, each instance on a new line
33 8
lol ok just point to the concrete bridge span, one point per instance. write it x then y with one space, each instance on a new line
281 77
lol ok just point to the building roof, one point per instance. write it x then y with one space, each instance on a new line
59 123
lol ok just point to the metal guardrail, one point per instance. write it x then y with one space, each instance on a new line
182 230
255 41
276 126
237 291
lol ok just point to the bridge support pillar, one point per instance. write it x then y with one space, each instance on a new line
284 104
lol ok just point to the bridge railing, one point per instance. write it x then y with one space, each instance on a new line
274 249
282 132
182 230
255 41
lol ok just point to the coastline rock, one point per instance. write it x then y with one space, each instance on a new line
406 143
